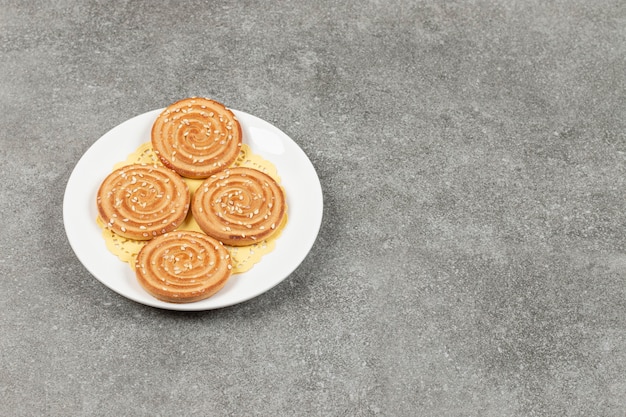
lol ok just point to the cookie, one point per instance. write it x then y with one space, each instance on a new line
183 267
239 206
141 201
196 137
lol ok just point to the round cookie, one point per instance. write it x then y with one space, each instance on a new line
239 206
197 137
141 201
183 267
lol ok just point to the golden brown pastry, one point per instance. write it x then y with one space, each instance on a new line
183 267
141 202
239 206
197 137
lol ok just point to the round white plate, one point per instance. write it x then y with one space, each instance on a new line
298 177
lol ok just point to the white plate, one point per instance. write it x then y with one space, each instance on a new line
298 177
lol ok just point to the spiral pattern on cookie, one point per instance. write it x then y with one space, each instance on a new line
239 206
197 137
141 202
183 267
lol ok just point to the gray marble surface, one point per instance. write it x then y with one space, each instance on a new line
472 256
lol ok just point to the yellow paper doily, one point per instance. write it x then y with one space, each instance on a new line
243 258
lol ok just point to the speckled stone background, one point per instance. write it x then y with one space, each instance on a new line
472 255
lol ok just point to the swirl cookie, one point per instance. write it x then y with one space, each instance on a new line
239 206
141 202
183 267
197 137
